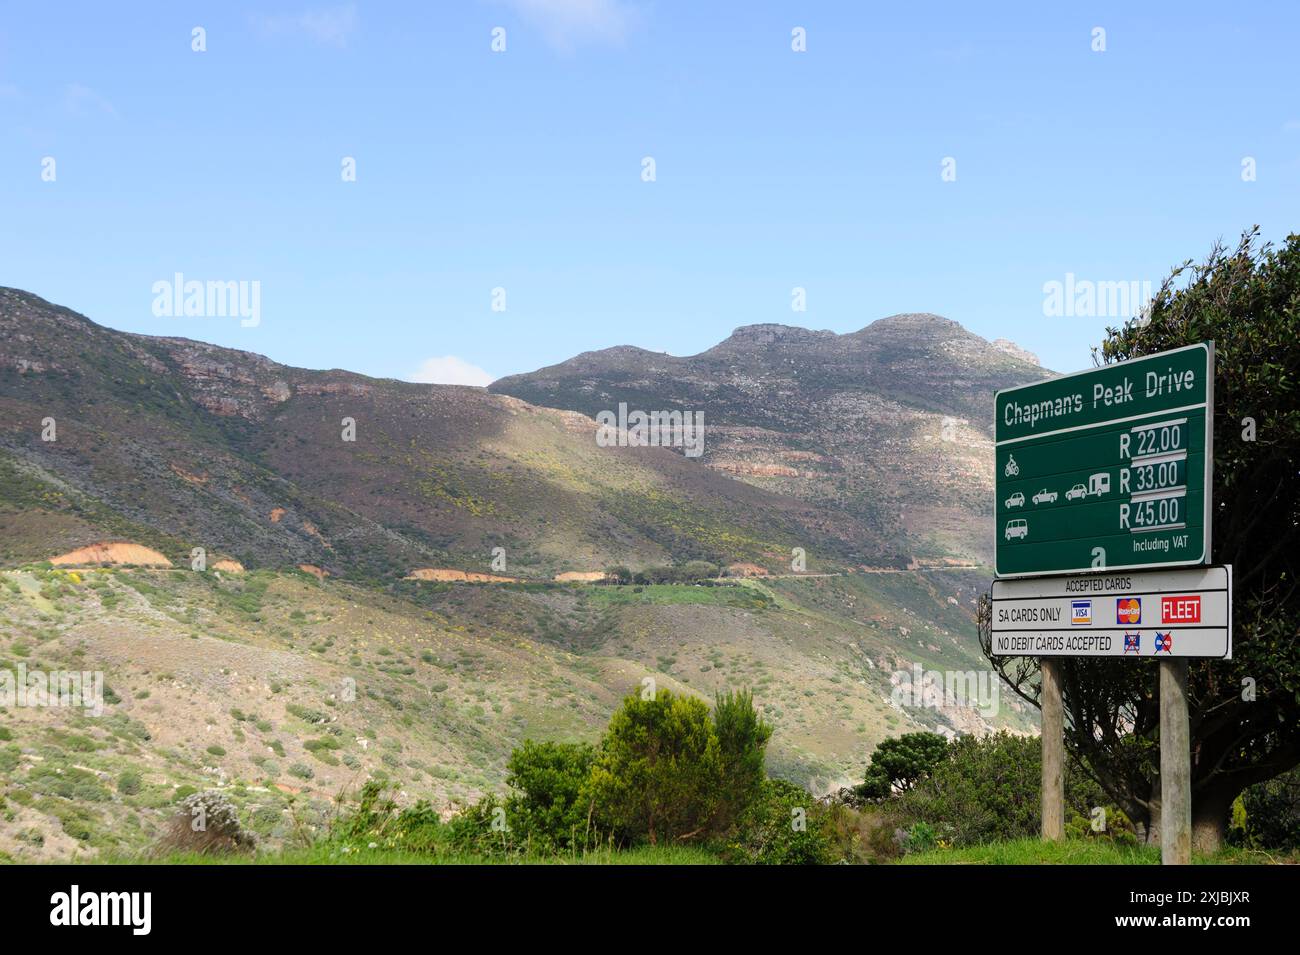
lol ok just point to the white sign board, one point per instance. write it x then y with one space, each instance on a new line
1146 613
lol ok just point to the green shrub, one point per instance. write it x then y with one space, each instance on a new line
900 762
378 820
265 820
1267 815
1111 825
482 828
742 743
920 838
129 783
301 771
72 783
664 772
550 806
784 825
989 789
306 714
216 750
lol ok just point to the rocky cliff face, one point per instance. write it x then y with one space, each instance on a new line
890 423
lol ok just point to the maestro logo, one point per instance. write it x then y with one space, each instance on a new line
1128 610
1080 613
1184 609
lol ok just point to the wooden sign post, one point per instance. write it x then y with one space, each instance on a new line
1053 751
1175 765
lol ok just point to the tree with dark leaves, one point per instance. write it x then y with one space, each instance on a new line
1245 713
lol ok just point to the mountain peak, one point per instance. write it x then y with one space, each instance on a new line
770 333
913 323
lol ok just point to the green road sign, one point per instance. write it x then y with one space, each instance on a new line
1108 468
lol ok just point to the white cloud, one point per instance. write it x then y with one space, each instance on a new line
330 26
567 24
450 370
81 100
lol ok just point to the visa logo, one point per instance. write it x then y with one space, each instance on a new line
1186 609
1081 613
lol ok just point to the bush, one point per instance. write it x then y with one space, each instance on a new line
920 838
71 783
1267 815
618 575
900 762
665 773
691 572
306 713
550 807
784 825
205 823
378 820
989 789
742 743
129 783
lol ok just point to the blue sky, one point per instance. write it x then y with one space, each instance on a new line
522 170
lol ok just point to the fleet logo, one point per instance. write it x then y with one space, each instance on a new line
1128 610
1081 613
1186 609
1133 643
1164 642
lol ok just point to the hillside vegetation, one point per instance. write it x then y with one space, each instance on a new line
286 690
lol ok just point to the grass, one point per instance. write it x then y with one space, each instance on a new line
1016 852
721 595
1072 852
332 855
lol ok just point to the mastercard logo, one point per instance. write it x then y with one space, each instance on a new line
1128 610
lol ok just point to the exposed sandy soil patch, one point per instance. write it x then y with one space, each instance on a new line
112 553
746 570
435 573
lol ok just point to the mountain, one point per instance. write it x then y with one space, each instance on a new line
300 660
890 424
180 444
